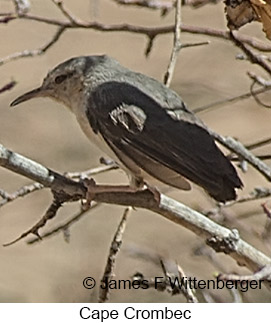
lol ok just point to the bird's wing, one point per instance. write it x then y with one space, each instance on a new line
133 123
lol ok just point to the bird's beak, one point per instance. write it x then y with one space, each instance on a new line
38 92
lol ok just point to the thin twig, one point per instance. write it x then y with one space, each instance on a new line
230 100
262 274
259 79
256 194
111 259
255 96
187 291
64 226
50 213
73 20
259 143
7 18
236 147
23 191
176 45
35 52
253 57
93 171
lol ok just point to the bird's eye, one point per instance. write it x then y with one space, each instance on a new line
60 78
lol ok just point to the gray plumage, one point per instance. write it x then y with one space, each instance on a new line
146 125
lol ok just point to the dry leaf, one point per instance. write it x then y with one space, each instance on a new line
263 10
241 12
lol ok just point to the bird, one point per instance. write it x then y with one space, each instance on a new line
141 124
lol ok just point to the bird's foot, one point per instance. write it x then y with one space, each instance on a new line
93 189
155 192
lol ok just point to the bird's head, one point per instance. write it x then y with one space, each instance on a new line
64 83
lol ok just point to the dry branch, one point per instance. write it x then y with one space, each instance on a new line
236 147
150 32
64 227
23 191
113 252
176 45
220 238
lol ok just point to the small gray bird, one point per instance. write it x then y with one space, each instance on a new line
141 124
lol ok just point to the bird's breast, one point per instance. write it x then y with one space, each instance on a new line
95 138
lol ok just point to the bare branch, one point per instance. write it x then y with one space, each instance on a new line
113 252
93 171
35 52
187 291
73 20
151 33
230 100
7 18
64 226
23 191
258 144
240 150
253 57
50 213
176 45
35 171
224 240
262 274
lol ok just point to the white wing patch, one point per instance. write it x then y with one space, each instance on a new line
131 117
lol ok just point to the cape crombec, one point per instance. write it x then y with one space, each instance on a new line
141 124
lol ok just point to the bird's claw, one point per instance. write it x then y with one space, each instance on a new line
90 185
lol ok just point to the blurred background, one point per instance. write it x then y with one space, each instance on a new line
53 270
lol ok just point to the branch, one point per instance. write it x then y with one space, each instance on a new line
236 147
217 236
176 46
35 52
111 259
262 274
23 191
64 227
50 213
150 32
73 20
253 57
231 100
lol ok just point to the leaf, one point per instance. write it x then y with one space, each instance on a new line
241 12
